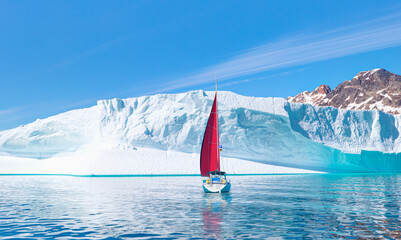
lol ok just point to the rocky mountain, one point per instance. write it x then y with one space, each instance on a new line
375 89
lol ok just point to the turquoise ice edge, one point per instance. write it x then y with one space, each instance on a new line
161 175
198 175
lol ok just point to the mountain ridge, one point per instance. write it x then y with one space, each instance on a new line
376 89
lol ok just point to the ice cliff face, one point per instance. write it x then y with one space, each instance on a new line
376 89
264 130
174 121
66 132
349 131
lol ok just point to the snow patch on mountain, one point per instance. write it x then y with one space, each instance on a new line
375 89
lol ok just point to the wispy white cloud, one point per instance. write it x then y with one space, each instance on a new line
6 112
73 59
235 82
12 117
372 35
259 78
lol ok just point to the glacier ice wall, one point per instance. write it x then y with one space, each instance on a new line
173 121
350 131
263 130
66 132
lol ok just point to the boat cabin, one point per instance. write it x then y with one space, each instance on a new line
217 176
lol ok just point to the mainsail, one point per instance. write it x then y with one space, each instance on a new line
210 154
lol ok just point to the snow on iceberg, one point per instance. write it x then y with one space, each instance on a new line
162 134
66 132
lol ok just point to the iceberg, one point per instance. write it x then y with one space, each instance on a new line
162 134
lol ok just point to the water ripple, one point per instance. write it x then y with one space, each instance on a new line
277 206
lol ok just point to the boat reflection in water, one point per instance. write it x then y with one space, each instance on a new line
215 205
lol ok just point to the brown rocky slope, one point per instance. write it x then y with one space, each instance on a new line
375 89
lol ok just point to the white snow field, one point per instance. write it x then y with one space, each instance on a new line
162 134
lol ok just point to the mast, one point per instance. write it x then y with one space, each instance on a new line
218 132
216 81
210 152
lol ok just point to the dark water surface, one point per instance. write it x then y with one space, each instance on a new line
318 206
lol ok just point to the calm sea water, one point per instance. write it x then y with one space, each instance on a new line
277 206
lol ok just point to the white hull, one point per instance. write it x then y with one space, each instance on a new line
216 187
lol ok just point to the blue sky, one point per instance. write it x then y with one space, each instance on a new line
61 55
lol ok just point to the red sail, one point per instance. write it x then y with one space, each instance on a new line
210 154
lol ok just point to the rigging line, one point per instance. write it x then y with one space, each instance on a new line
218 132
212 126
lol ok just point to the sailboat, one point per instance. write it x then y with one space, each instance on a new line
216 181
